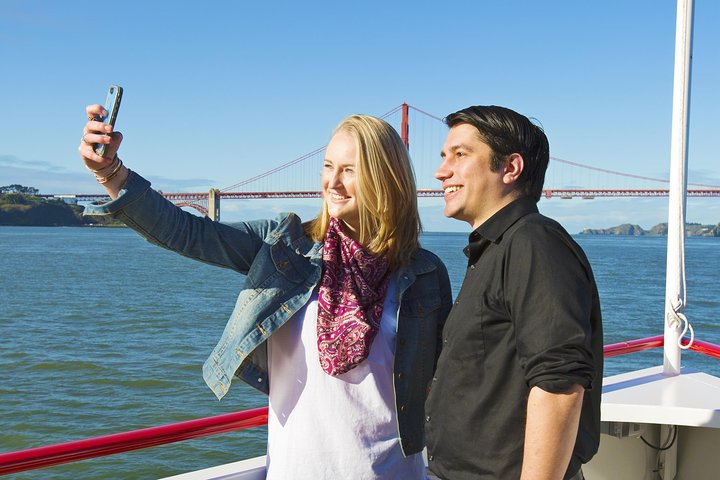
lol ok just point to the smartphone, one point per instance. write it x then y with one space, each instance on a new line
112 105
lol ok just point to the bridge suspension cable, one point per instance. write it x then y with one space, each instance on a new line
299 159
622 174
418 156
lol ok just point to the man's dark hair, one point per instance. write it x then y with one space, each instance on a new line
506 132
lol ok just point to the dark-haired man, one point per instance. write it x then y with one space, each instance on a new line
517 389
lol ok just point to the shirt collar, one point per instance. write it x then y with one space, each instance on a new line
494 227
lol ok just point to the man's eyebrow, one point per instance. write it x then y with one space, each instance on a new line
454 148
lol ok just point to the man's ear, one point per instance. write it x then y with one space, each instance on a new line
513 168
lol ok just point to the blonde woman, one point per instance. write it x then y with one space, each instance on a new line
340 320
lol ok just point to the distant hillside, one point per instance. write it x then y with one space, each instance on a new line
18 209
691 230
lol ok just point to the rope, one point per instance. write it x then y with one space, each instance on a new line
675 318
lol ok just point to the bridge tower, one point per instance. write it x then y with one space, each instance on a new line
214 204
405 126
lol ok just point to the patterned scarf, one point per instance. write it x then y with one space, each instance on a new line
350 303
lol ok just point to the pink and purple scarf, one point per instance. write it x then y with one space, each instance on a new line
350 303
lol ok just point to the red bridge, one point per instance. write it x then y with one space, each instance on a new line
298 178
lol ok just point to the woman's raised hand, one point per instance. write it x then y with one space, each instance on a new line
109 170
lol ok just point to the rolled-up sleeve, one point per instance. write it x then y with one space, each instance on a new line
550 295
135 186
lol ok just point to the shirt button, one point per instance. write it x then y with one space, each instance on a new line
427 419
472 267
400 376
402 408
431 458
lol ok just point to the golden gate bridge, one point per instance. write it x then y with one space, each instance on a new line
299 178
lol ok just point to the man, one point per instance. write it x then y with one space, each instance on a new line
517 389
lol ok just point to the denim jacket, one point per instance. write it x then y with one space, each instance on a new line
283 266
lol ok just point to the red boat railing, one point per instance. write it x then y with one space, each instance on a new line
622 348
48 456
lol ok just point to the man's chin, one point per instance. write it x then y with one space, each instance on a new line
451 214
458 216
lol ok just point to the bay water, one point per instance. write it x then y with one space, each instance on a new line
101 332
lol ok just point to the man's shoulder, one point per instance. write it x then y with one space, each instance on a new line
536 223
537 232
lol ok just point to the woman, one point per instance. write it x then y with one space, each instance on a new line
340 319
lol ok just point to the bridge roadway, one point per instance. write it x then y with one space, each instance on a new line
550 193
208 204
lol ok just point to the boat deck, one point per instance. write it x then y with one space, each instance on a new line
648 396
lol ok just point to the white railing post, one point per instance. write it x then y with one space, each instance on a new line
675 277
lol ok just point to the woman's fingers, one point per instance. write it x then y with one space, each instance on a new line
95 112
87 151
89 141
93 138
96 132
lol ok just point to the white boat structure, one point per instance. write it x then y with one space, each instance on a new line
664 422
658 423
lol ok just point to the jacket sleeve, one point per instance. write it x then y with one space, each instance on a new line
162 223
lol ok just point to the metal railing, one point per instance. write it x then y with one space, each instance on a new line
49 456
622 348
52 455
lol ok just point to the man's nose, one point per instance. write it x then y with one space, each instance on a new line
442 172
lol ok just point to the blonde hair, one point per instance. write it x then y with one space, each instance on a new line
387 196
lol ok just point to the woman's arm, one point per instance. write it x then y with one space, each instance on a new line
157 219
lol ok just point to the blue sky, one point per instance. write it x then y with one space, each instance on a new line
217 92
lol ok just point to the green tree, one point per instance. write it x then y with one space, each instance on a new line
15 188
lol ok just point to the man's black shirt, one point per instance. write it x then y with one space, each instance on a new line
528 314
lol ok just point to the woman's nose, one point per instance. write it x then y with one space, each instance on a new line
334 180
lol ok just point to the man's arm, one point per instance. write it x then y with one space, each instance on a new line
550 432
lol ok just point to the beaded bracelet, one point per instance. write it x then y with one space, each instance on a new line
112 174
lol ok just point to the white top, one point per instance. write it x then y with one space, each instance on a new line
343 427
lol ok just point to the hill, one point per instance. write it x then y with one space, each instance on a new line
19 209
691 230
